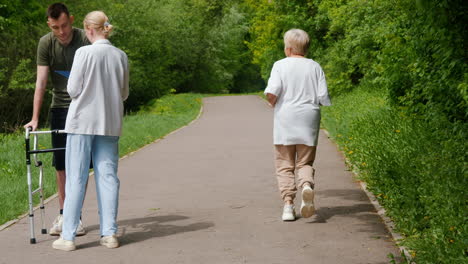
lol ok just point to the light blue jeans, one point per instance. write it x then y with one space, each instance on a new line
105 153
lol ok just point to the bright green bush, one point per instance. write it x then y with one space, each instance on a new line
413 50
21 24
416 168
181 45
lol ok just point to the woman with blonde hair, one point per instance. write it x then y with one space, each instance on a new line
296 89
98 85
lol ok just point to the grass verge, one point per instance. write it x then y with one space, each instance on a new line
153 121
416 168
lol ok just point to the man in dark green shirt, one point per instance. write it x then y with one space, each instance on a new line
55 54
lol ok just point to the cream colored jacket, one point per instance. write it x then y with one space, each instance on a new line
98 85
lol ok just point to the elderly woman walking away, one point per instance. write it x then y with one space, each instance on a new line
98 85
296 89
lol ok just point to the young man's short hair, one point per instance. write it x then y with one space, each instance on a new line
55 10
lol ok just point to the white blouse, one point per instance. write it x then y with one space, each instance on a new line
98 85
301 88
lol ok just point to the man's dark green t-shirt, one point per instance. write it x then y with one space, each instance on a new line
59 58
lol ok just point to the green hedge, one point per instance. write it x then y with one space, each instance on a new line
182 45
414 51
416 168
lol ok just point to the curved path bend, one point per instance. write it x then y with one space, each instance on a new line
207 194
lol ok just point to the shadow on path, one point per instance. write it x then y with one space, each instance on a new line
345 194
140 229
364 212
356 210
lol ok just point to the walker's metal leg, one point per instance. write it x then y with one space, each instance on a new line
41 195
37 163
31 212
28 165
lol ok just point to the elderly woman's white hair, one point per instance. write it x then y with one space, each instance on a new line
297 40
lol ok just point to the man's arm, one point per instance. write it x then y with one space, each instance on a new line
41 83
271 99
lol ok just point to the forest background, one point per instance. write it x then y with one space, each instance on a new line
396 71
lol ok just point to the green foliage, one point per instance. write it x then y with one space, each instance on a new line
270 20
13 175
186 45
21 24
23 76
423 63
3 74
416 168
225 53
413 50
181 45
16 108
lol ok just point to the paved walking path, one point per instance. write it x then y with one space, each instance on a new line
207 194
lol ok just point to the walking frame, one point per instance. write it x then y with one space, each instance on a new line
38 164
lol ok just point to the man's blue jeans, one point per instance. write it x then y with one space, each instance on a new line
105 153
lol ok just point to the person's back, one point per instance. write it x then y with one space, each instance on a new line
98 85
99 107
296 89
301 86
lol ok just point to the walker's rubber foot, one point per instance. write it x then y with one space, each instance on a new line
44 231
32 241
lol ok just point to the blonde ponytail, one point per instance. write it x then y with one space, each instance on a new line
99 21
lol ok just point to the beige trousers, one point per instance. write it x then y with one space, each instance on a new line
289 161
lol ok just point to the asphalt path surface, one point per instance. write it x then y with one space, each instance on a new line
207 193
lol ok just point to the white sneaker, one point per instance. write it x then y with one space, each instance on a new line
110 241
80 231
288 213
56 228
307 206
65 245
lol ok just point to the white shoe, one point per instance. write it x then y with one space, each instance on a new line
110 241
80 231
56 228
288 213
307 206
65 245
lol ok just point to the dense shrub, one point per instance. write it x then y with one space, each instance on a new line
413 50
173 46
416 168
16 108
179 46
21 24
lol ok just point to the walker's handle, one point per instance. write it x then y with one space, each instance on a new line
36 162
28 149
